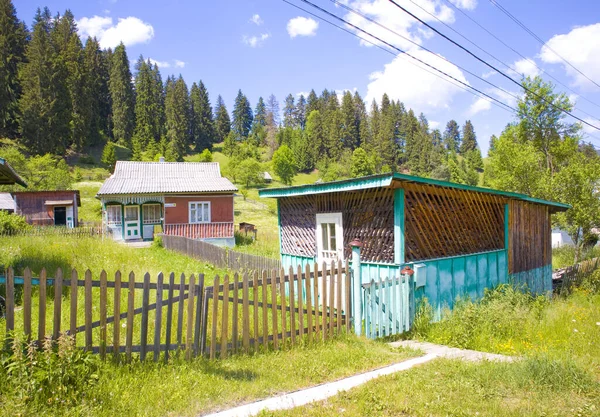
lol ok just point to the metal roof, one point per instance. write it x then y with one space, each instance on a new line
385 180
165 178
8 174
7 202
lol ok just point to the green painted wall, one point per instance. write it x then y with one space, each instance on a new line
538 281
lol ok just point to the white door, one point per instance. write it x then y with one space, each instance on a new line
132 222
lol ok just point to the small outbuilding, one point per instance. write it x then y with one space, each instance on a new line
7 203
189 199
458 239
267 177
48 208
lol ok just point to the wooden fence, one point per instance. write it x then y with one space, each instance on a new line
389 306
565 279
57 231
238 313
218 256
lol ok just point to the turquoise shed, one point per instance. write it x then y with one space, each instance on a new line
458 239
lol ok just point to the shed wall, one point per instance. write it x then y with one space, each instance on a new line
32 206
530 236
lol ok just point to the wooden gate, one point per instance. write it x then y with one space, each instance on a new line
389 306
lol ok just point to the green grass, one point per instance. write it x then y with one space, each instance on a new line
189 388
91 208
565 256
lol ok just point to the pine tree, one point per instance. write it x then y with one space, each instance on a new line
312 103
203 130
97 85
260 113
177 110
242 116
349 123
121 93
145 104
360 115
374 122
222 121
272 123
300 112
158 91
315 137
288 111
13 41
452 136
44 104
385 142
469 140
333 123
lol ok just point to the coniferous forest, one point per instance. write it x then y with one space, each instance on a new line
62 94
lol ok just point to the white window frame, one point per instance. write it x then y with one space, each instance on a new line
329 255
120 216
153 221
205 209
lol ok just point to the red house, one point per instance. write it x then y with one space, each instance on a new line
189 199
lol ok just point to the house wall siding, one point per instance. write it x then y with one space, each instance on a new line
221 208
32 206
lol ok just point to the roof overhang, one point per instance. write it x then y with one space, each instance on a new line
396 179
8 176
58 202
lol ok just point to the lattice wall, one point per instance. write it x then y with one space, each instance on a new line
442 222
367 215
530 231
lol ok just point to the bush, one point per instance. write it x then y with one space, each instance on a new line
12 223
60 377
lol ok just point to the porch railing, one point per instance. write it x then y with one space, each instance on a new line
200 230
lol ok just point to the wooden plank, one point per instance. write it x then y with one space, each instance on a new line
58 283
234 313
265 322
158 316
199 316
225 319
331 298
316 301
292 284
144 323
27 303
203 337
338 288
324 301
274 309
169 326
189 334
373 312
73 294
283 306
10 301
117 315
180 310
130 308
88 310
308 291
255 307
41 308
215 313
103 296
245 314
299 303
348 305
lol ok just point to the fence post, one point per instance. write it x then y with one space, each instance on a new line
356 284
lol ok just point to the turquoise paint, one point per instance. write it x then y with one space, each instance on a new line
538 280
399 226
374 271
295 260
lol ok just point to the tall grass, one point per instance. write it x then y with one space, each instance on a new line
565 255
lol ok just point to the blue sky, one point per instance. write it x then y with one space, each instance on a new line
262 47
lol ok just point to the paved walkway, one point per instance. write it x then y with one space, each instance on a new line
324 391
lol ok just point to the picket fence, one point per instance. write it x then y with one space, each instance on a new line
218 256
82 231
572 276
238 313
389 306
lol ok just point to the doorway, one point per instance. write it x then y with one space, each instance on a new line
60 216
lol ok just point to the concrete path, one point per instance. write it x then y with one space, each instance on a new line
327 390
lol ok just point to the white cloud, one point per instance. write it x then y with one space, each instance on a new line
465 4
581 47
479 105
256 19
160 64
415 87
129 30
179 64
302 26
433 124
340 93
507 97
106 11
395 19
527 67
573 98
487 75
302 93
254 41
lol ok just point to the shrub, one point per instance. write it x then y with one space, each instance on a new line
12 223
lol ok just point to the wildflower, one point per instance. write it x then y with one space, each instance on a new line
598 323
575 330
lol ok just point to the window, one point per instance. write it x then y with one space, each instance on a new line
132 213
113 215
200 212
152 213
330 237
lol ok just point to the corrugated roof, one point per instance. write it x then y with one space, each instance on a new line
165 178
7 202
385 180
8 174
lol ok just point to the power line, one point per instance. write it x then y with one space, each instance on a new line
493 101
492 67
536 37
403 52
356 12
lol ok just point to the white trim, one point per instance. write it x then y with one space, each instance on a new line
112 223
328 218
145 221
190 211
